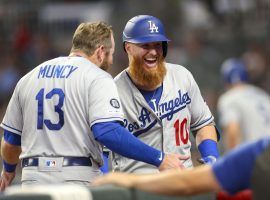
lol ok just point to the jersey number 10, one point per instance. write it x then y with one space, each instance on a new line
181 132
57 109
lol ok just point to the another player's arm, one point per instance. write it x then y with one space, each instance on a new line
229 122
120 140
172 182
232 135
10 151
235 167
206 140
177 182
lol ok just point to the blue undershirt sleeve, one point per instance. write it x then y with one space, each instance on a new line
12 138
116 138
234 170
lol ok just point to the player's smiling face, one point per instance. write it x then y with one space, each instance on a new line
146 64
149 53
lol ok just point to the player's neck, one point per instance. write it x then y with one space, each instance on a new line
90 58
79 54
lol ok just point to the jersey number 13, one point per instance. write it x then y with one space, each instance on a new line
57 109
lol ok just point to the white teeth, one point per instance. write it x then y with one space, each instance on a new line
151 59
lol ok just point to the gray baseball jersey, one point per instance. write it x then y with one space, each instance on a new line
54 106
250 107
181 109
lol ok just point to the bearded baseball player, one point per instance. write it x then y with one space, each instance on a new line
63 112
161 101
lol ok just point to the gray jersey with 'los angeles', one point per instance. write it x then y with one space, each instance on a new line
54 106
181 109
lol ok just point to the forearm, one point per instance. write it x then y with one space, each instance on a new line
177 182
10 153
207 132
232 135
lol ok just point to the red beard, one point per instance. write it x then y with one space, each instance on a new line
147 79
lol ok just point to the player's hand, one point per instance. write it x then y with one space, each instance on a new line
6 179
171 161
207 160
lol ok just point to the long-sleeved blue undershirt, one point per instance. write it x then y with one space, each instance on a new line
116 138
234 170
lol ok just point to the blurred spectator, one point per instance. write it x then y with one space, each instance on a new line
9 75
40 49
232 6
22 37
196 15
256 64
201 59
244 109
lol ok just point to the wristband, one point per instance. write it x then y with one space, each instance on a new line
9 167
208 148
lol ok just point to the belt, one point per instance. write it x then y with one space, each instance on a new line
67 161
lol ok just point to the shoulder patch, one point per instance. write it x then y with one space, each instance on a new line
115 103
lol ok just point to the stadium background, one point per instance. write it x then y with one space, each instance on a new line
203 33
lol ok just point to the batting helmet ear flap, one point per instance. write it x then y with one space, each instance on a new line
165 48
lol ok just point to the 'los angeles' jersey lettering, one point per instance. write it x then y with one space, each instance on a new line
167 109
163 110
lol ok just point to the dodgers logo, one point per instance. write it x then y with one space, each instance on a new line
152 27
115 103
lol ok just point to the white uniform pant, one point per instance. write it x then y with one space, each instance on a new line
82 175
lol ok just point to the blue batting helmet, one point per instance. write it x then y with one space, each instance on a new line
233 70
144 29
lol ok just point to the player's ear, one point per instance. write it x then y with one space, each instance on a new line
100 53
127 47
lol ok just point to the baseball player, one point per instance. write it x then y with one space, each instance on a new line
244 109
161 101
63 110
244 167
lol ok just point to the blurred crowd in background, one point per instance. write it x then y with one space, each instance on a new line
203 34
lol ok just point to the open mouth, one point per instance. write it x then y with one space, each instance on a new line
150 62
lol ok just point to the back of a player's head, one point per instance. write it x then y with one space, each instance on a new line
89 36
233 71
145 29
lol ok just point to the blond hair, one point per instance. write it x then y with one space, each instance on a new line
89 36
